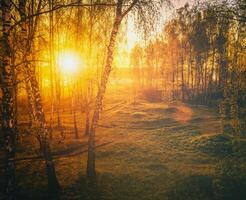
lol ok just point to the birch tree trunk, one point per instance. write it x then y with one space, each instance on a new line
8 111
31 106
91 172
42 136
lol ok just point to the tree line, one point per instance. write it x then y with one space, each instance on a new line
200 58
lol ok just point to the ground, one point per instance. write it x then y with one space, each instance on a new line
147 151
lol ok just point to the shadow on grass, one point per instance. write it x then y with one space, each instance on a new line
112 187
230 181
37 194
228 184
82 189
192 188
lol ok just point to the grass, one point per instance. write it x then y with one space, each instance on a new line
157 151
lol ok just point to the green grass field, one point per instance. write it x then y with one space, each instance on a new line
150 151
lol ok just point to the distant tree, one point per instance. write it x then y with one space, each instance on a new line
137 57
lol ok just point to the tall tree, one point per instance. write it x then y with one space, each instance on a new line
8 104
42 133
123 7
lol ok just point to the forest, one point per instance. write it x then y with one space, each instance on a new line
123 99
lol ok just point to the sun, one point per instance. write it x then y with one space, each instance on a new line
69 62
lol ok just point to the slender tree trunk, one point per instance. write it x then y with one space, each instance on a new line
58 86
189 68
89 87
58 102
43 131
8 104
87 121
91 172
182 77
31 107
51 51
205 78
59 120
211 81
74 119
43 136
190 78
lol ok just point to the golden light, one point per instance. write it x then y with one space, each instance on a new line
132 37
70 62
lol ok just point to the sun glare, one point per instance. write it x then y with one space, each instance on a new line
70 62
132 37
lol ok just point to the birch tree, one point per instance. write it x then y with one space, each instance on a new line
42 133
145 9
8 96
